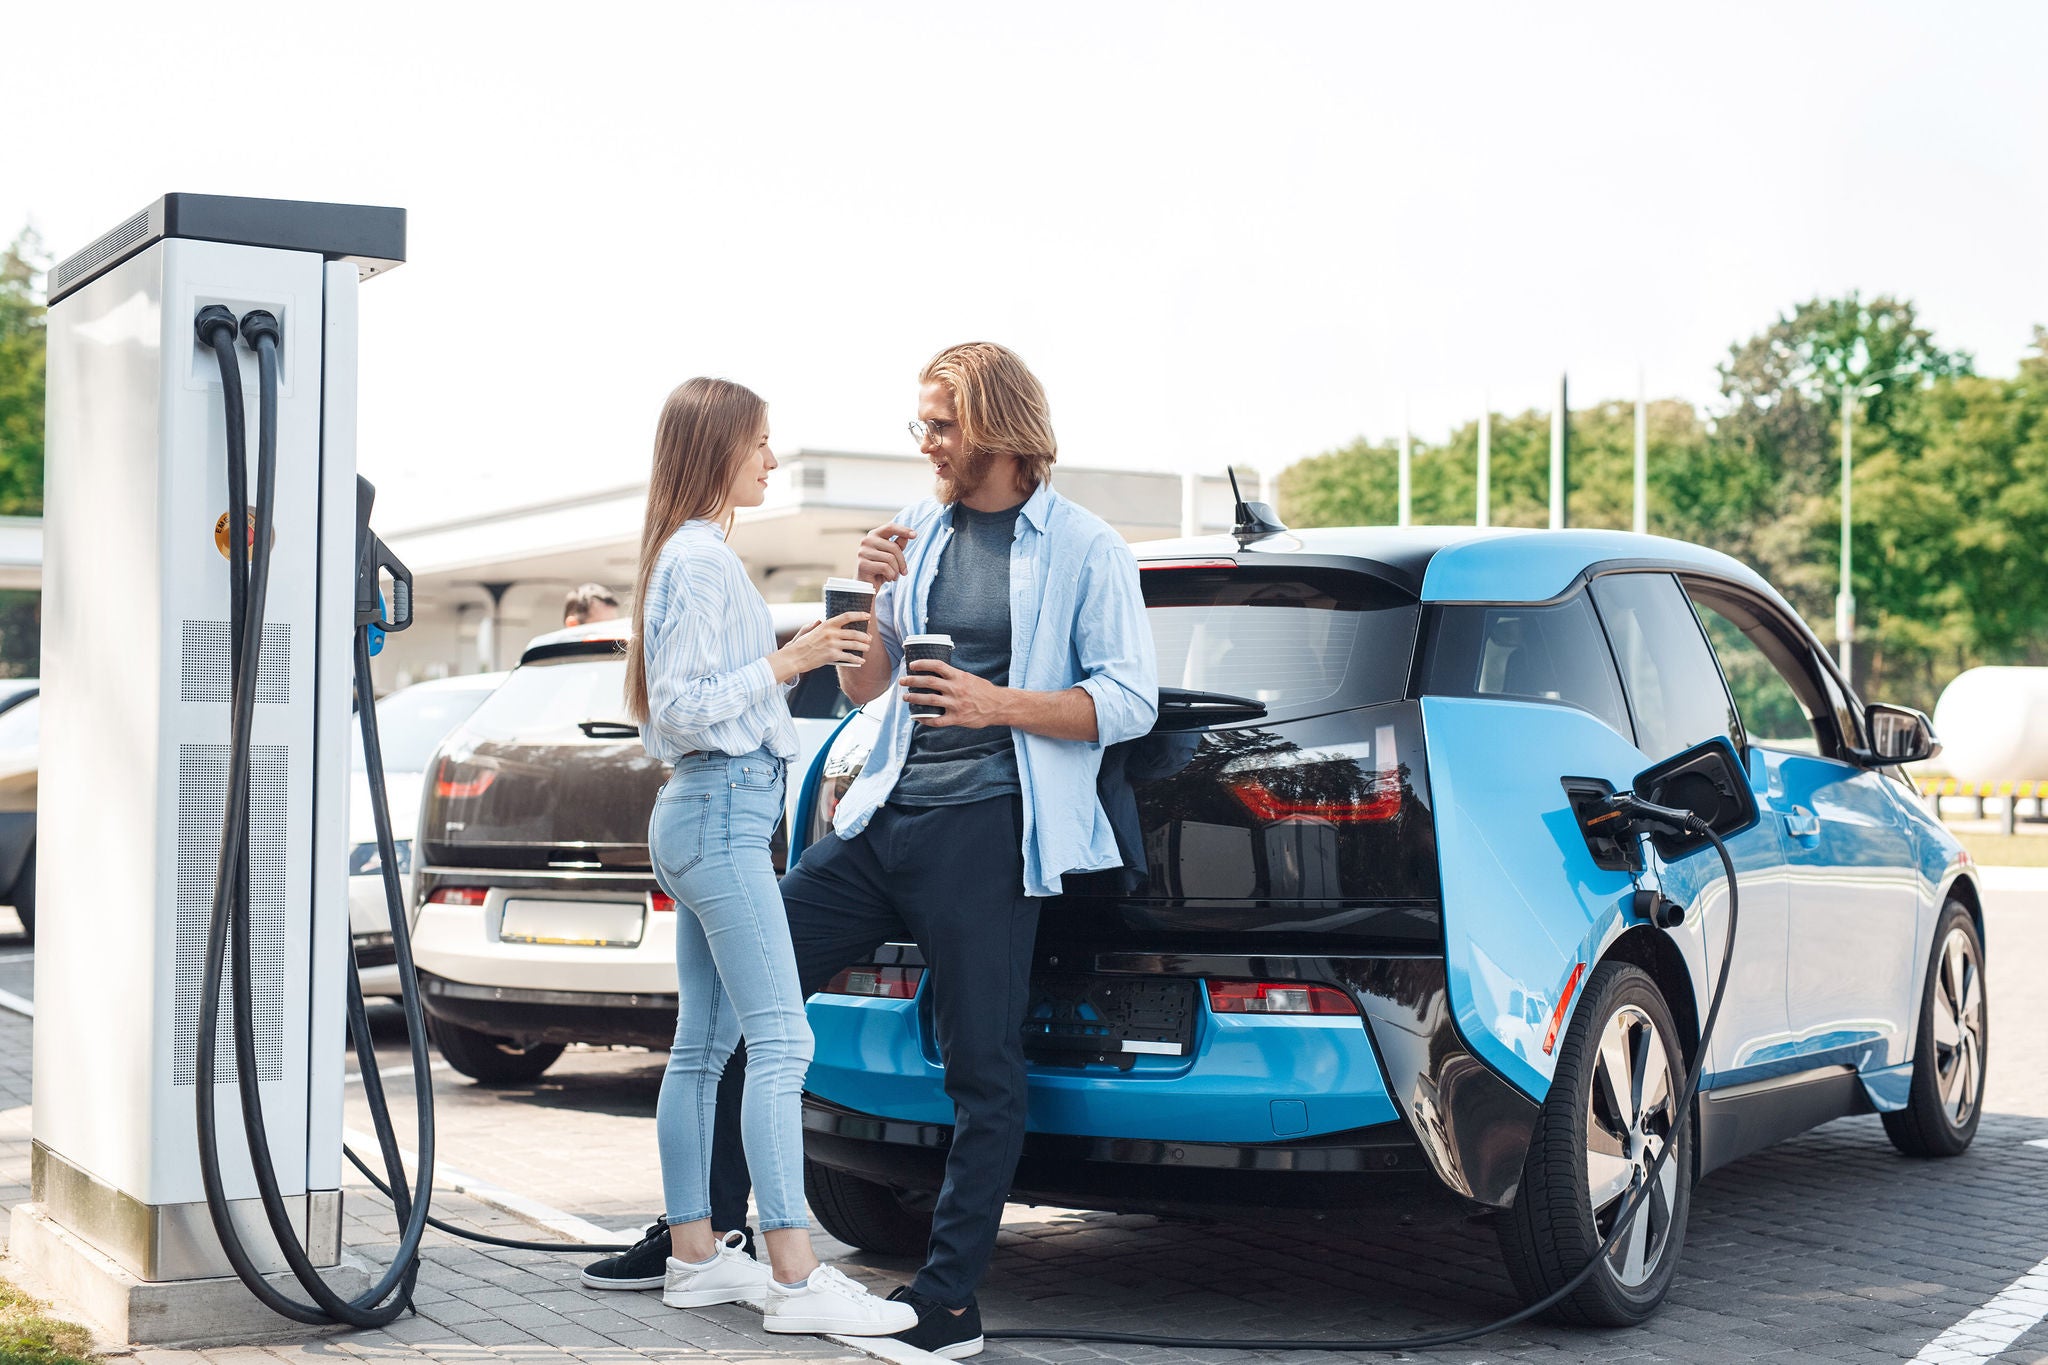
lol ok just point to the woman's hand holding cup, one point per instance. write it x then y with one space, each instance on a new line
840 641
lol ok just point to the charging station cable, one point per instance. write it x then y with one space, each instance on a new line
229 930
1637 817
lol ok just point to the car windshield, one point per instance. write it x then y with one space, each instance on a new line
545 701
412 721
1294 639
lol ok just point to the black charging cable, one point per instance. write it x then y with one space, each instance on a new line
228 934
1637 817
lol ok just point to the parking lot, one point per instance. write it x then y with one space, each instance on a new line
1829 1247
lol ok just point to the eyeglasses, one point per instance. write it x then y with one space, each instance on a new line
922 432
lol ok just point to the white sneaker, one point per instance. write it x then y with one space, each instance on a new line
732 1276
829 1302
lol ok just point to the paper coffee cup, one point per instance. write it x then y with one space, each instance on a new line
849 594
917 647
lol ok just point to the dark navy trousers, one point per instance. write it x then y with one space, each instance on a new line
951 880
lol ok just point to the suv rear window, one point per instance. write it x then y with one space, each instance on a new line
1297 639
545 701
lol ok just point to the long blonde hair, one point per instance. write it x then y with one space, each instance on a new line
1000 405
707 427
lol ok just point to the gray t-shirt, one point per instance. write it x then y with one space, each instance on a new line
970 601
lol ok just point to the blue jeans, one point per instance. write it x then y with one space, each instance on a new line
735 975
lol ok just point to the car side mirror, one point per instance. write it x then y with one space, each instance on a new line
1708 780
1899 734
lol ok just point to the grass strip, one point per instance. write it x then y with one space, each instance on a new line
2006 850
28 1336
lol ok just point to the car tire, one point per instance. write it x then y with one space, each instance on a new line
25 896
1950 1046
1593 1142
489 1060
865 1213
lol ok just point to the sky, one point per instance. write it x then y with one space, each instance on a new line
1217 232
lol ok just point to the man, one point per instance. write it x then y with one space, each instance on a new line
963 821
591 602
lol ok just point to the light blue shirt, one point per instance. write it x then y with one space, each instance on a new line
708 635
1077 619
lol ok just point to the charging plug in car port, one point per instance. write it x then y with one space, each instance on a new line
1614 848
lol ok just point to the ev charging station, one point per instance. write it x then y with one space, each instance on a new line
139 751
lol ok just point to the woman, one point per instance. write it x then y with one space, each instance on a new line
708 686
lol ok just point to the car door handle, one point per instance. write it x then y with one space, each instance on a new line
1803 825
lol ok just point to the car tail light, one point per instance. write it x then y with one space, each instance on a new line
661 901
1278 997
1381 799
457 781
878 982
458 895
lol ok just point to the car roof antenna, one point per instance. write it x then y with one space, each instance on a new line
1255 520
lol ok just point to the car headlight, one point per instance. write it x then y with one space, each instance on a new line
838 774
363 860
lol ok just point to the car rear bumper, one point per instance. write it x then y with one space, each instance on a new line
1247 1082
530 1015
1377 1167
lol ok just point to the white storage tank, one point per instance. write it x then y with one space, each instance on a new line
1993 724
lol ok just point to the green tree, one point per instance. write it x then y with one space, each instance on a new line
21 378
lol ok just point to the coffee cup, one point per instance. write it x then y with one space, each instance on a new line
918 647
849 594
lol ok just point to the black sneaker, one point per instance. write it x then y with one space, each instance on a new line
646 1265
939 1329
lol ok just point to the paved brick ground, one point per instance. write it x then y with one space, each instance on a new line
1826 1248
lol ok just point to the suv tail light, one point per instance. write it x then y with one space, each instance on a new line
1277 997
876 981
660 901
458 781
458 895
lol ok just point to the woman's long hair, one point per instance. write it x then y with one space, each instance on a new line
707 427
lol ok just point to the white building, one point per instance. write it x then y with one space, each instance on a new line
484 585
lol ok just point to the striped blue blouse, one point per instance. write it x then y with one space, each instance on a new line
708 636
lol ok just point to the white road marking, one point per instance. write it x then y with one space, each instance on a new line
10 1001
2037 1142
2014 878
1998 1324
389 1073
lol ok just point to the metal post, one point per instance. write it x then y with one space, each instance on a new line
1560 436
1404 516
1485 462
1845 598
1642 516
487 647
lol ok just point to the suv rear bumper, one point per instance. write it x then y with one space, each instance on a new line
530 1015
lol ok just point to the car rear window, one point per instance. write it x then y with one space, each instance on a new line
1297 639
1552 652
546 701
412 722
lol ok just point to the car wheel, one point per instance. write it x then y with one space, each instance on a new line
493 1061
25 896
866 1214
1950 1047
1612 1108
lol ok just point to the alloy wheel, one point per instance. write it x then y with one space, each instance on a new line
1959 1028
1631 1116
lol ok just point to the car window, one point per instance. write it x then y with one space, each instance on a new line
1673 684
21 724
411 722
1549 653
1776 699
548 700
1296 639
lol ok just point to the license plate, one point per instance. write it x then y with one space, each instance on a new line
576 924
1107 1020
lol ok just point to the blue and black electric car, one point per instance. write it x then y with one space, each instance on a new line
1365 954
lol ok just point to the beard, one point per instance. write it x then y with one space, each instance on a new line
970 474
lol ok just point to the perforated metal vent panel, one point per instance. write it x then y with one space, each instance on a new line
123 236
203 671
202 799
